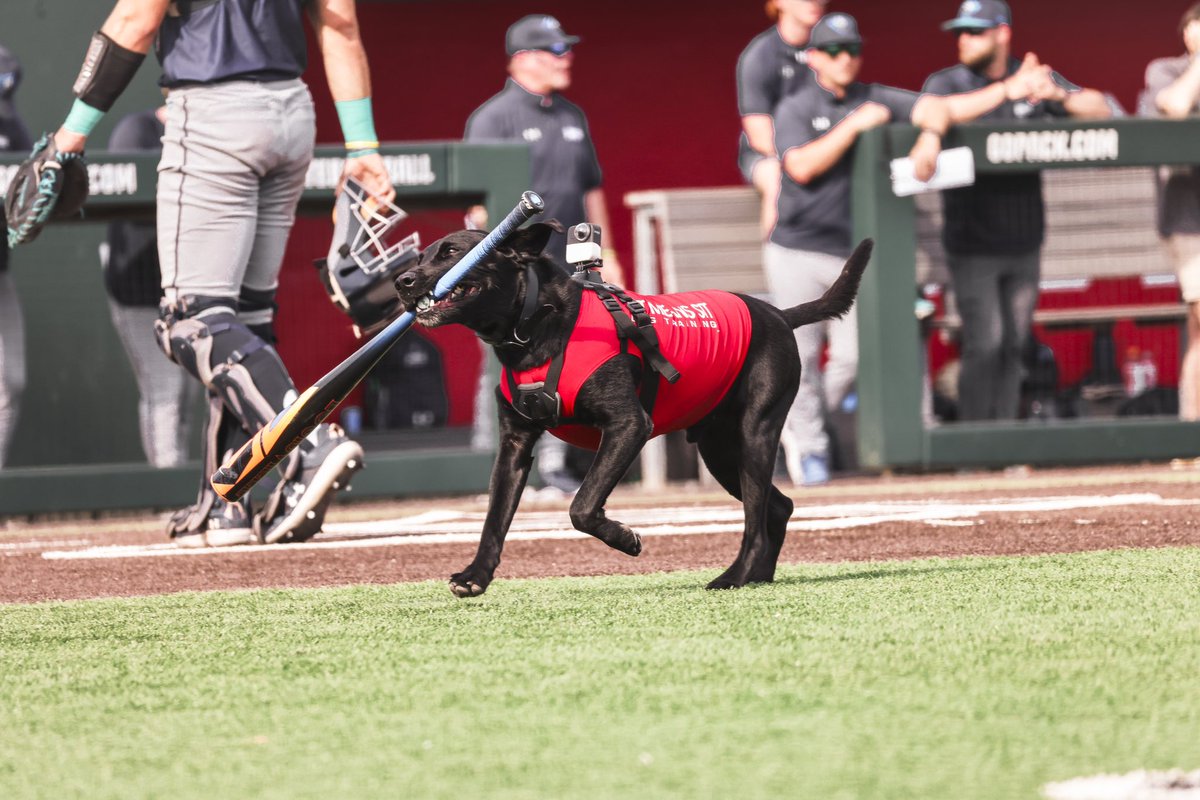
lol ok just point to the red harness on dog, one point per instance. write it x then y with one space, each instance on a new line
705 335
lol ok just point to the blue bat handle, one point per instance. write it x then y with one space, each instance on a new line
531 204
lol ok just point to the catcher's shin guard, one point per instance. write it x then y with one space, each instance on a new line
210 521
209 340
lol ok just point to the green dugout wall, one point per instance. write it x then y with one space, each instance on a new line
76 446
890 429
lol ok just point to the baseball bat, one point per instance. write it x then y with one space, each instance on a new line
279 437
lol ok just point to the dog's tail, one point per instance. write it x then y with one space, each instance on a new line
838 299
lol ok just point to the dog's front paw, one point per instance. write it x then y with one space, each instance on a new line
471 582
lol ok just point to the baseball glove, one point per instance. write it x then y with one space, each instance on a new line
48 186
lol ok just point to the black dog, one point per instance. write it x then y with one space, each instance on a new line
738 436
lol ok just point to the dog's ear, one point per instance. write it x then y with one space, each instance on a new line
531 240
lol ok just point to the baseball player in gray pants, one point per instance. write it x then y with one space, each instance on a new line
239 135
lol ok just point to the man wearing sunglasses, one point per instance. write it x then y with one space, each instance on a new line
815 130
564 170
773 66
993 230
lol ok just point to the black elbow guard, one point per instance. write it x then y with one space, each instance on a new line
107 70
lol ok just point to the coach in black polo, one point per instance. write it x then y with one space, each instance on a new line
993 230
531 108
815 130
564 170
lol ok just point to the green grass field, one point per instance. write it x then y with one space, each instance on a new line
968 678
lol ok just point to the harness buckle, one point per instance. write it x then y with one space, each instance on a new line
532 401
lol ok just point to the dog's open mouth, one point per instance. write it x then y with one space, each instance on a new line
426 303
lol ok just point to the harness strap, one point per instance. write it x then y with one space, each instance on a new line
531 315
540 401
639 329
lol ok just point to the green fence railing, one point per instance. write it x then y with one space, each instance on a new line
76 446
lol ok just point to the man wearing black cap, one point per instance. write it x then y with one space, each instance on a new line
815 130
14 138
993 230
564 170
531 108
773 66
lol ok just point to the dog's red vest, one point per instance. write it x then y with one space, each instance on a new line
705 335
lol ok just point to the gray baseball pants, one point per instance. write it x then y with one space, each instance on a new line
794 277
232 170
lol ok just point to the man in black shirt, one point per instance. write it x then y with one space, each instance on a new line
563 164
994 230
815 130
564 170
773 66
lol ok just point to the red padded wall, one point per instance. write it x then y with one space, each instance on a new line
657 82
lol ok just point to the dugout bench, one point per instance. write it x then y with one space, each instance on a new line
1101 227
76 446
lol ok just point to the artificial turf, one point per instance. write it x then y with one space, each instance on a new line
968 678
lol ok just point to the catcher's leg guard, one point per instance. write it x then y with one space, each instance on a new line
211 522
247 384
206 337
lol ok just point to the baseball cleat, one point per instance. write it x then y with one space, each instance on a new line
296 510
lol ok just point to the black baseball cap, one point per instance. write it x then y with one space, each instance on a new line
833 29
538 32
10 79
980 14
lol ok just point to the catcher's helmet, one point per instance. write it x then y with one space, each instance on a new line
361 265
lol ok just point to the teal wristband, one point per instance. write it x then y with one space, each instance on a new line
358 125
83 118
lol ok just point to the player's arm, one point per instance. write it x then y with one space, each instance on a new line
969 106
807 162
756 100
760 130
1087 104
1177 99
933 116
1077 102
113 57
349 76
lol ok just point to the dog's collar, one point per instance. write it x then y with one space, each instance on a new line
531 314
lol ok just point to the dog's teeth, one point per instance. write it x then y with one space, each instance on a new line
425 303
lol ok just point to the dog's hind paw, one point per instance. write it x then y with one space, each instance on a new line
732 578
723 583
626 540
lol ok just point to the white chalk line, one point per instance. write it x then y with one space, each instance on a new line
454 527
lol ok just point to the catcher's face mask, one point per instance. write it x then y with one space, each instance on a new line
361 265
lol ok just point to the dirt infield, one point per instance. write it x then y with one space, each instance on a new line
860 519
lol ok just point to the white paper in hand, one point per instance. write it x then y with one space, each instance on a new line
955 167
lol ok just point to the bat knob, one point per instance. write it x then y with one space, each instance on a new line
224 475
533 202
